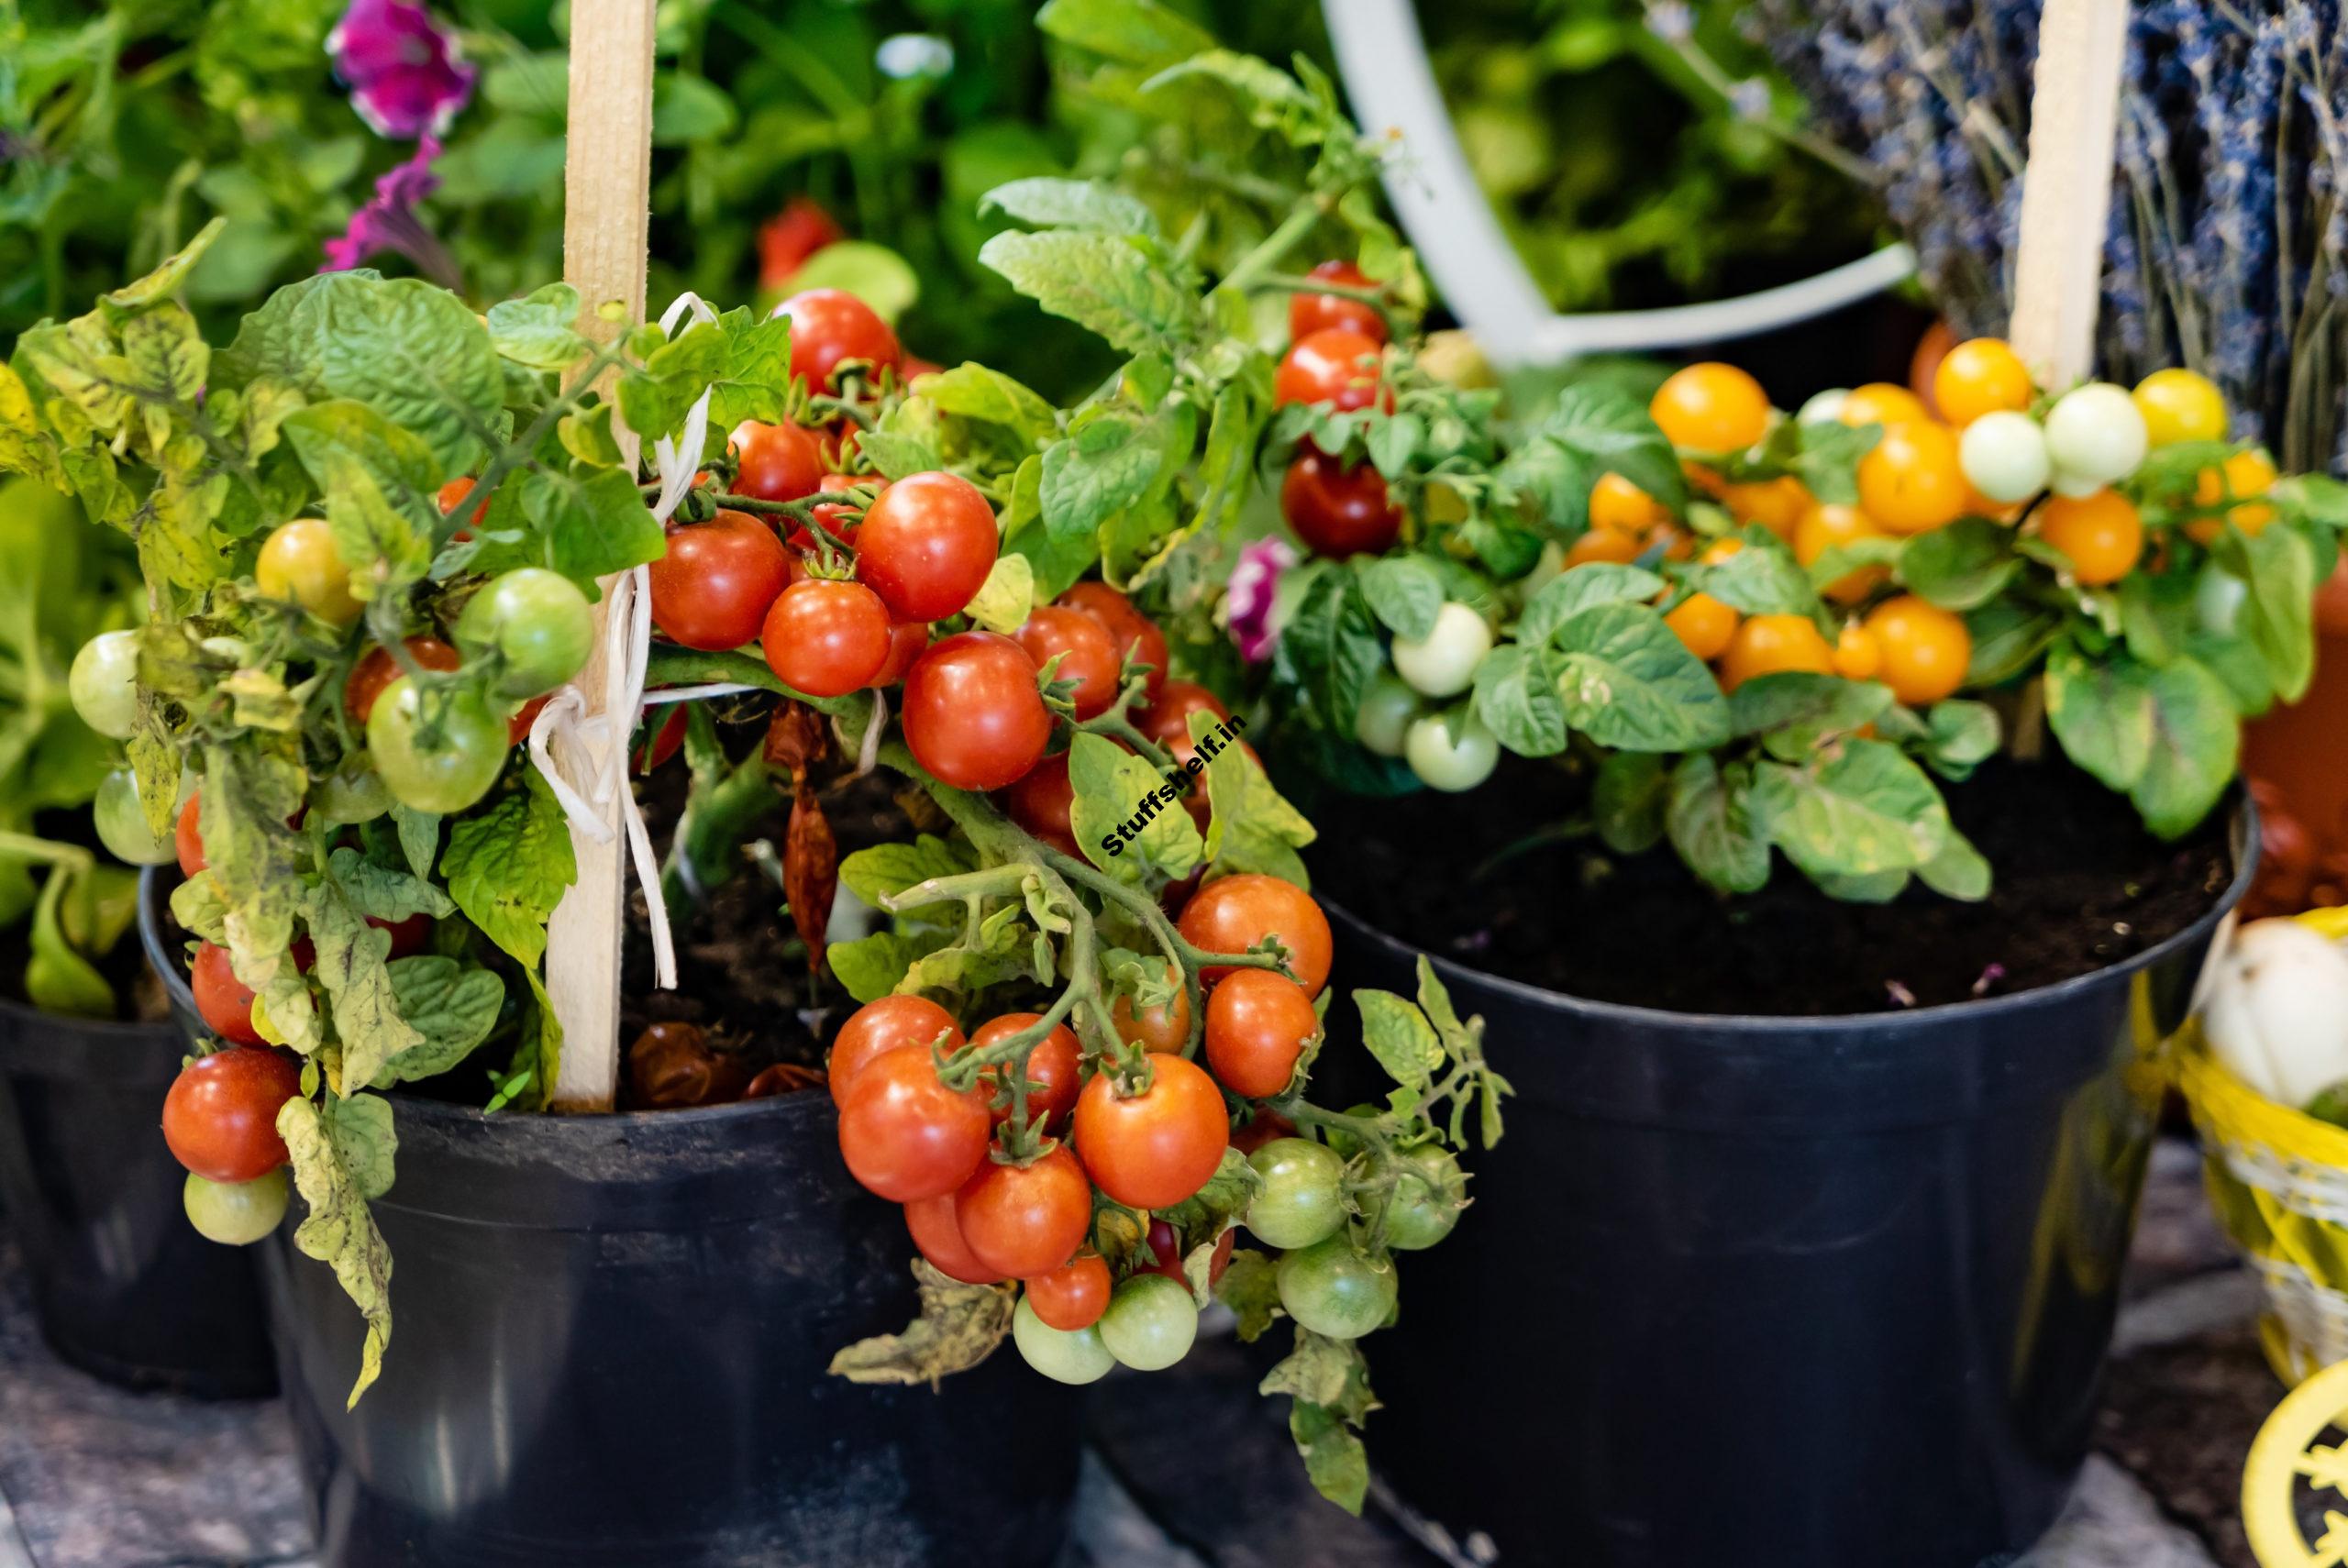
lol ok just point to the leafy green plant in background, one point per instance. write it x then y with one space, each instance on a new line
1640 154
64 581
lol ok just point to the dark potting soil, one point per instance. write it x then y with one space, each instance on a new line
2079 885
743 976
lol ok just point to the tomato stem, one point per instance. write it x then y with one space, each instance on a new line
1398 327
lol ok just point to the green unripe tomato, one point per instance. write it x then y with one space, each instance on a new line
535 623
1302 1200
2004 456
1386 712
1332 1289
235 1214
460 764
1451 751
1064 1356
104 683
1823 408
1150 1322
1429 1193
2218 596
122 825
1443 663
2096 436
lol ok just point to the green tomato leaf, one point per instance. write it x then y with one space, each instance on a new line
352 965
2195 747
1710 822
1628 682
2278 613
1763 579
1629 800
1579 588
1399 1035
2102 712
872 966
1092 475
1332 646
1961 567
1142 33
364 1140
453 1006
508 863
1517 697
1129 820
1796 710
540 331
1960 735
1862 811
1102 282
57 978
1405 592
1044 201
974 392
1958 872
1251 825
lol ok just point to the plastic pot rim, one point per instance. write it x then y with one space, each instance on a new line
2243 836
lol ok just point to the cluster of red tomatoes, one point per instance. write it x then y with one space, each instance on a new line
1334 345
981 1216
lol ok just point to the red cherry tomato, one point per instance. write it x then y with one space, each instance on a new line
906 641
829 326
1023 1220
1040 802
376 668
1338 511
972 714
1167 720
408 936
939 1235
1052 1068
904 1135
711 589
220 1117
1072 1296
452 495
226 1002
779 462
1265 1126
883 1025
187 837
825 638
1088 654
1232 914
926 544
1339 367
654 746
1138 637
1309 313
1155 1149
792 235
517 728
1257 1026
1166 1246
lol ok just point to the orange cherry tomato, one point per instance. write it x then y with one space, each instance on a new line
1615 502
2241 476
1604 545
2102 534
1911 481
1925 649
1258 1024
1712 407
1823 528
1925 361
1772 645
939 1235
1231 914
1982 375
1162 1028
1704 624
1857 656
882 1026
1023 1220
1880 403
1155 1149
1776 504
1072 1296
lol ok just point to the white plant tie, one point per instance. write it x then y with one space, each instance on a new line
627 643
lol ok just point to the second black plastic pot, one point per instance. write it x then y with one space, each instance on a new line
610 1336
1791 1293
122 1286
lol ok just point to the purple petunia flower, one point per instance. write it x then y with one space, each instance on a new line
1254 584
388 222
405 76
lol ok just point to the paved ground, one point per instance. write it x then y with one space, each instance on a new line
94 1478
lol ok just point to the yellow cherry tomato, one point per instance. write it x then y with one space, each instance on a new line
1880 403
1925 649
1712 407
1615 502
1771 644
1982 375
1776 504
2244 475
1821 529
299 563
1720 550
2180 405
1857 656
2102 534
1912 482
1704 624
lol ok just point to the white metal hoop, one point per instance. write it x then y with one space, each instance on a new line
1384 61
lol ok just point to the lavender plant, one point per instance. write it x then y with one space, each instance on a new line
2228 249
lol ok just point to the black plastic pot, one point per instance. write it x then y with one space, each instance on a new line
1793 1293
123 1287
609 1343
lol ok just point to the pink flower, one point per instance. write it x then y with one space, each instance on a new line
1254 584
402 67
388 222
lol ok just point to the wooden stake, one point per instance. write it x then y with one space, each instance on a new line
2066 189
607 185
